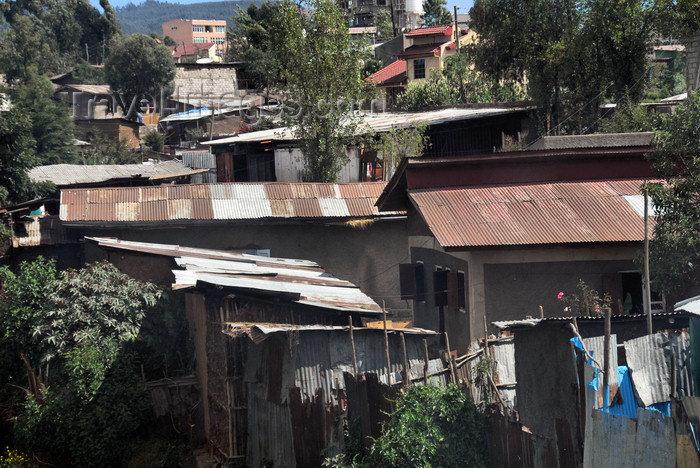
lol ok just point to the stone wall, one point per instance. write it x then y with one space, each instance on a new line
205 81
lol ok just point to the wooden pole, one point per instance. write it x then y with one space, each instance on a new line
449 357
647 282
386 345
406 367
606 354
456 29
354 354
425 366
673 375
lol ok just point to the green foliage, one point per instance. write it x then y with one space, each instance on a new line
17 154
585 301
667 79
13 458
86 323
436 13
321 68
138 67
385 28
23 52
630 117
107 150
253 38
433 92
194 134
91 305
480 376
84 73
154 140
51 125
22 296
574 56
398 143
432 426
675 248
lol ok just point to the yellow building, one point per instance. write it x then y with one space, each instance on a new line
429 48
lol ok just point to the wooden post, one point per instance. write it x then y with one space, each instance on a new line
673 371
425 366
354 354
456 29
449 359
647 282
386 345
406 368
606 354
541 312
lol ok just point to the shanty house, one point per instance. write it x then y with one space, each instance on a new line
335 225
275 358
273 155
495 236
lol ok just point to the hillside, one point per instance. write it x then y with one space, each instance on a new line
148 16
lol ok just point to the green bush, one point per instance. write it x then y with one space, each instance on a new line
154 140
432 427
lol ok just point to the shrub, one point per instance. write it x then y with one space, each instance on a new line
432 426
154 140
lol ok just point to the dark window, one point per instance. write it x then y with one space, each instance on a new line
457 298
418 69
420 282
440 287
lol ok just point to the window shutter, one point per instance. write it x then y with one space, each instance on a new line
407 279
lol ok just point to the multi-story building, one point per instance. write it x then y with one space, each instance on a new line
190 31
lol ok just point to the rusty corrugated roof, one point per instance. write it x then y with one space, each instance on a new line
234 201
76 174
533 214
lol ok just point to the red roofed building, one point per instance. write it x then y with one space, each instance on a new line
189 53
391 79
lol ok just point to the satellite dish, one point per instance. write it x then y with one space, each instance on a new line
204 61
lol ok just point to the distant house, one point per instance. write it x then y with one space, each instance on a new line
498 235
194 31
272 155
430 47
188 53
391 79
97 113
37 223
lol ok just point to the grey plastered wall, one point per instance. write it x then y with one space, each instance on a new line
515 290
368 257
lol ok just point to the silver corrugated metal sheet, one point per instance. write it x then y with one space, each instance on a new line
73 174
596 345
504 357
680 345
378 123
233 201
649 360
294 280
618 441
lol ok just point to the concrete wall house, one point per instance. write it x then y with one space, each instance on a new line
335 225
495 236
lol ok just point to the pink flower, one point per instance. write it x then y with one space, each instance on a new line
597 309
560 295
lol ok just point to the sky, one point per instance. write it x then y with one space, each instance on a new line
462 5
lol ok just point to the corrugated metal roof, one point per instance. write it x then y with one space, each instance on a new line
43 230
649 360
534 214
74 174
297 281
529 323
234 201
381 122
431 31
